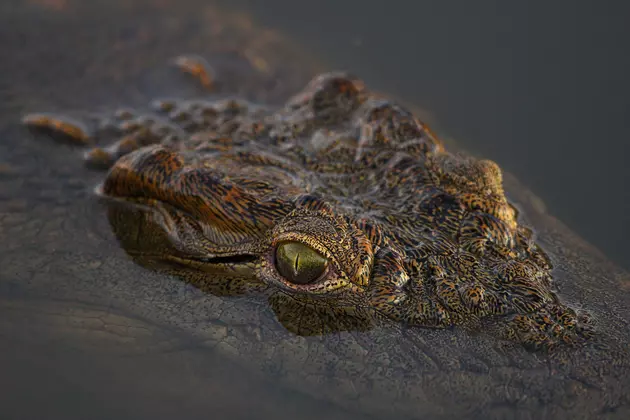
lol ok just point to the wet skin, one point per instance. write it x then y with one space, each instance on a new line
391 266
339 200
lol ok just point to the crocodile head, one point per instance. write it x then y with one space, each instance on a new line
342 210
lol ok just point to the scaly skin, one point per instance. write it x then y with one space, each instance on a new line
425 252
412 233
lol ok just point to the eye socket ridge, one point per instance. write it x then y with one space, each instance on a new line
299 263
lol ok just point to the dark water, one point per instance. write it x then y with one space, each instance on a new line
541 87
540 90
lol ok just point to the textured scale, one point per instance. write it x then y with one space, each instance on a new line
415 235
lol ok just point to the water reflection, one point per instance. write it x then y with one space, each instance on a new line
145 240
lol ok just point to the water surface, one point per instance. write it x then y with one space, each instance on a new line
534 89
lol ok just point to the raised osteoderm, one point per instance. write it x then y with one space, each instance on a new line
340 207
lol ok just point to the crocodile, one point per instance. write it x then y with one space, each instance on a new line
336 244
340 207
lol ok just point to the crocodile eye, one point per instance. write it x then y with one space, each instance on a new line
299 263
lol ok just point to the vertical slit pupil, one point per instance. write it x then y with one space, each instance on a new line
298 263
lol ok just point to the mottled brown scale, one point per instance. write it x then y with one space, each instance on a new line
56 124
198 67
412 234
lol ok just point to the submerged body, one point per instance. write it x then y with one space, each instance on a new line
334 242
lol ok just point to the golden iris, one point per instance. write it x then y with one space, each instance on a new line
299 263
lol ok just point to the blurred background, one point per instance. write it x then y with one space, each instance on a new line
540 87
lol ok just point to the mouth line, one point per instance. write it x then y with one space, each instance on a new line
227 259
241 265
240 259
